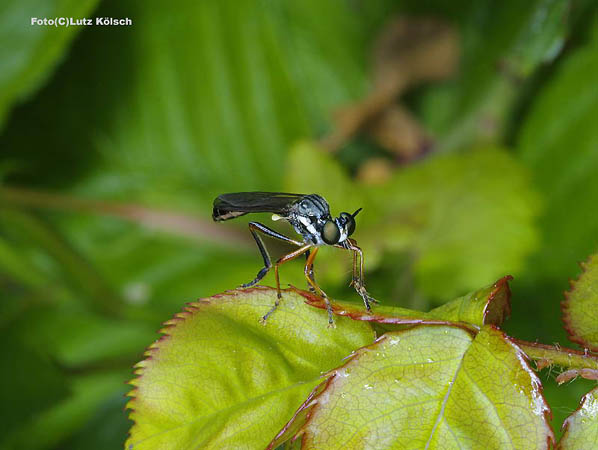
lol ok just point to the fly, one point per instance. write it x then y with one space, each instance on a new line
310 217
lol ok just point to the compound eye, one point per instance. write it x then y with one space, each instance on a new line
330 233
349 223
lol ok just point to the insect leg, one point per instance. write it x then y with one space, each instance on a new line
255 228
311 272
309 268
354 273
359 282
288 257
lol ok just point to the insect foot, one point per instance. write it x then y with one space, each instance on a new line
367 298
265 316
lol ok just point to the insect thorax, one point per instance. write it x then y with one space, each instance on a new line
308 217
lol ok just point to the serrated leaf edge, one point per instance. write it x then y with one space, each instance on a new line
188 311
566 317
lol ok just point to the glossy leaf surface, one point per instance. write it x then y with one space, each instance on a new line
581 427
428 387
220 379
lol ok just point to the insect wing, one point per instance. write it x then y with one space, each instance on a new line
229 206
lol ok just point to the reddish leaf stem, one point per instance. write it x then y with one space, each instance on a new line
561 356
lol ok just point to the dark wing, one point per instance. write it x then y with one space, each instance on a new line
229 206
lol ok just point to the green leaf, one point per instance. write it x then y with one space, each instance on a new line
37 238
34 50
558 142
503 43
201 99
471 218
50 429
580 308
580 429
486 306
29 382
78 338
432 387
220 379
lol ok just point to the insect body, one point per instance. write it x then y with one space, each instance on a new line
310 217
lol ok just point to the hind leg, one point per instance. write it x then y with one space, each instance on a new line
255 228
282 260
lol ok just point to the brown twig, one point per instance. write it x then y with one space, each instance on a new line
169 221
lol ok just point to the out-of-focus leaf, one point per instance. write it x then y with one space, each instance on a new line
105 429
157 272
580 309
503 43
215 93
432 387
29 382
34 50
489 305
219 378
49 429
77 338
558 142
467 219
18 267
37 238
580 429
311 169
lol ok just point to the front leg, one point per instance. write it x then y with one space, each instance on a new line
358 280
309 270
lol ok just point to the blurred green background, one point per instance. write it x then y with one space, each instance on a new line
467 131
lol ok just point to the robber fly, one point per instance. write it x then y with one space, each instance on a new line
310 217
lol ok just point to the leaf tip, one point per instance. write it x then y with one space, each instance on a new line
498 307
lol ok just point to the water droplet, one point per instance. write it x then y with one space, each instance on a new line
342 373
